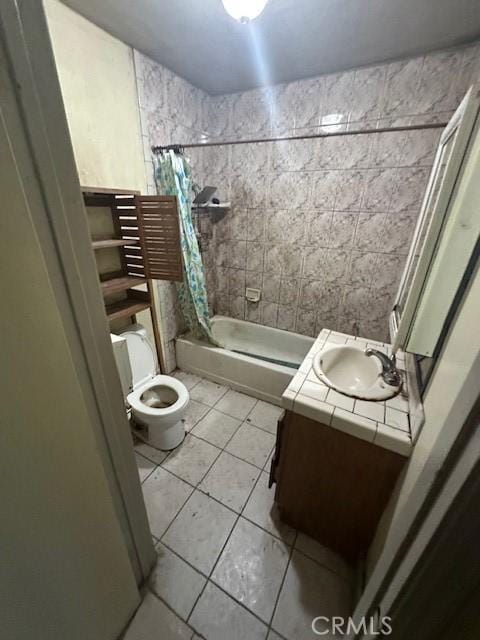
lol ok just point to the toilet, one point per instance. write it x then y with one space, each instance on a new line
157 402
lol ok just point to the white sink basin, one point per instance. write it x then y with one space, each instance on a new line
348 370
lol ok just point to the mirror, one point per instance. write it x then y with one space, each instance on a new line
445 237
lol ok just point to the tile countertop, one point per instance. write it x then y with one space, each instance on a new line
385 423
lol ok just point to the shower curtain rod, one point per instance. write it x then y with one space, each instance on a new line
308 136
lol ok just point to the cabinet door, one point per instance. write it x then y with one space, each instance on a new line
278 449
159 230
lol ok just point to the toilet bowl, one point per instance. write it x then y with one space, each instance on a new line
159 405
157 402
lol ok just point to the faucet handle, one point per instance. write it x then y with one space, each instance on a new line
389 370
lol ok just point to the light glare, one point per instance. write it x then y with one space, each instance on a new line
244 10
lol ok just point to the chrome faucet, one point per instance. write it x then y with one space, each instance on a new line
390 372
355 329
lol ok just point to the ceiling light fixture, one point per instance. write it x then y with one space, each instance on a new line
244 10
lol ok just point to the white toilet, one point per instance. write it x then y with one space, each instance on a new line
157 402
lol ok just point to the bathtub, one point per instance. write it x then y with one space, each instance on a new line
254 359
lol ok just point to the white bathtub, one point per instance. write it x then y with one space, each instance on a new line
268 360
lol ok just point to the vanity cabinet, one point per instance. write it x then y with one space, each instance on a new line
331 485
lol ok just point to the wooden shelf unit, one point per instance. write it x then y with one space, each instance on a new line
120 283
109 243
126 308
145 231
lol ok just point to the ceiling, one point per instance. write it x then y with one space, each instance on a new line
292 39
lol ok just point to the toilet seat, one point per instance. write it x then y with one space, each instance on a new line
144 410
157 402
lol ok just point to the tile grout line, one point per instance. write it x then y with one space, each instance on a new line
195 488
209 578
149 474
270 628
320 564
163 601
237 513
241 420
239 426
227 389
221 449
238 516
187 562
241 514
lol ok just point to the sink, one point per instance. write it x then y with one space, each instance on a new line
348 370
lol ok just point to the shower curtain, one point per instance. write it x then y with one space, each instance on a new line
173 178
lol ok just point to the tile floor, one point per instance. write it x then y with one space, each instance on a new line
228 568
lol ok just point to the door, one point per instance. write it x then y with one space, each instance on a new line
435 214
72 513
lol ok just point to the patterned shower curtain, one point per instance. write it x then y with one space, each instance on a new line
173 178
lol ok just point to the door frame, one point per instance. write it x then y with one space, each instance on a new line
41 144
452 551
460 129
434 502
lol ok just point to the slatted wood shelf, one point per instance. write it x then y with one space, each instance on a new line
112 242
145 232
125 308
122 283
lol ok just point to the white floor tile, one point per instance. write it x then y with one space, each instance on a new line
144 466
155 455
216 427
218 617
194 412
192 459
208 392
265 416
164 496
230 481
324 556
309 591
262 510
200 531
154 620
236 404
176 582
188 379
251 444
251 568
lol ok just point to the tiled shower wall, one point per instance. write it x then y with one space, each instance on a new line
321 227
171 110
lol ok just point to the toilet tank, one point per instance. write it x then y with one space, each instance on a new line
122 360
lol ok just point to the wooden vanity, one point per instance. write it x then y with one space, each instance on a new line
331 485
